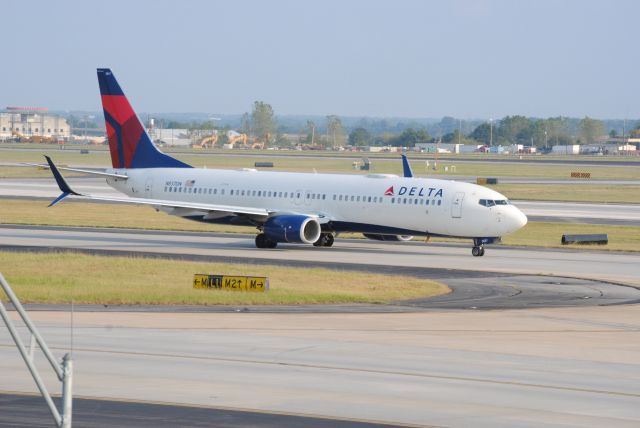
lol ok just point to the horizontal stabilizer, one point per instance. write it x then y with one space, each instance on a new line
84 171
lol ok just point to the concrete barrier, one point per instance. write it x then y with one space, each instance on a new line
580 175
589 239
483 181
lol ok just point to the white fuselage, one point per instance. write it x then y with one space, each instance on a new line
375 203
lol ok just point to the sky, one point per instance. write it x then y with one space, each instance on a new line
466 59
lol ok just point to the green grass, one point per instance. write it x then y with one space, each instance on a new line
571 193
60 277
342 164
83 214
539 234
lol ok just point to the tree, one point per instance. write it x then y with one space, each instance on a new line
590 130
514 129
359 137
335 131
558 131
482 133
310 130
263 122
245 124
613 133
410 137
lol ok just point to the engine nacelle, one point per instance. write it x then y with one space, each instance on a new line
378 237
292 228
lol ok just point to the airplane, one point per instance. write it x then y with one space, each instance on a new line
290 207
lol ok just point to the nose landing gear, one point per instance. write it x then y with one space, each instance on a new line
478 247
477 251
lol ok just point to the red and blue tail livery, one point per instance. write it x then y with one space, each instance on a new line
129 143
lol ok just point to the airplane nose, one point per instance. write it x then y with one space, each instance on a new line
519 219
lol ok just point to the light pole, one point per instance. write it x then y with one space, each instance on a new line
490 132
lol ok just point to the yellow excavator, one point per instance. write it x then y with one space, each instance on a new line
261 143
206 142
235 138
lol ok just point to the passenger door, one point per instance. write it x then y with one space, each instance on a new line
456 205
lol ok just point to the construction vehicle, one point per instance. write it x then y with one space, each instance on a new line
261 143
206 142
234 138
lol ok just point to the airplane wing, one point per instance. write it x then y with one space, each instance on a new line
85 171
68 191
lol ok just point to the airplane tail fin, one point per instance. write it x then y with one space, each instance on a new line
129 143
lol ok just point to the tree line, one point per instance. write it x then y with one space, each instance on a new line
332 131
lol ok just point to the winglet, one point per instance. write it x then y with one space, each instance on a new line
62 183
406 168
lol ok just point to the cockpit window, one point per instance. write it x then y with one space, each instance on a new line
493 202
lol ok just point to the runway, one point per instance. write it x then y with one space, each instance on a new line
623 214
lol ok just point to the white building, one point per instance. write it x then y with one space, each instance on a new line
569 149
28 122
171 137
440 147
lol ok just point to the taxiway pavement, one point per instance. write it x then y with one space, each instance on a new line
564 367
595 265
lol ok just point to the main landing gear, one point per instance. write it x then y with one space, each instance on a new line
325 240
263 242
478 248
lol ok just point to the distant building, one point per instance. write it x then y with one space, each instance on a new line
29 122
439 147
171 137
569 149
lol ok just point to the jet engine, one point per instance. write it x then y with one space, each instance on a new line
378 237
292 228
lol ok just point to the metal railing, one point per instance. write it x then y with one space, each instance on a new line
62 370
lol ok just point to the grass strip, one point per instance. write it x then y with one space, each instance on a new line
89 279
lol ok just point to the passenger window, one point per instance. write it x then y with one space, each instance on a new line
324 197
334 197
439 202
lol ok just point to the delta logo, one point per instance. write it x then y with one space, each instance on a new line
415 191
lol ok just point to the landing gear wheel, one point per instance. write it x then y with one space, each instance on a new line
477 251
263 242
325 240
329 241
